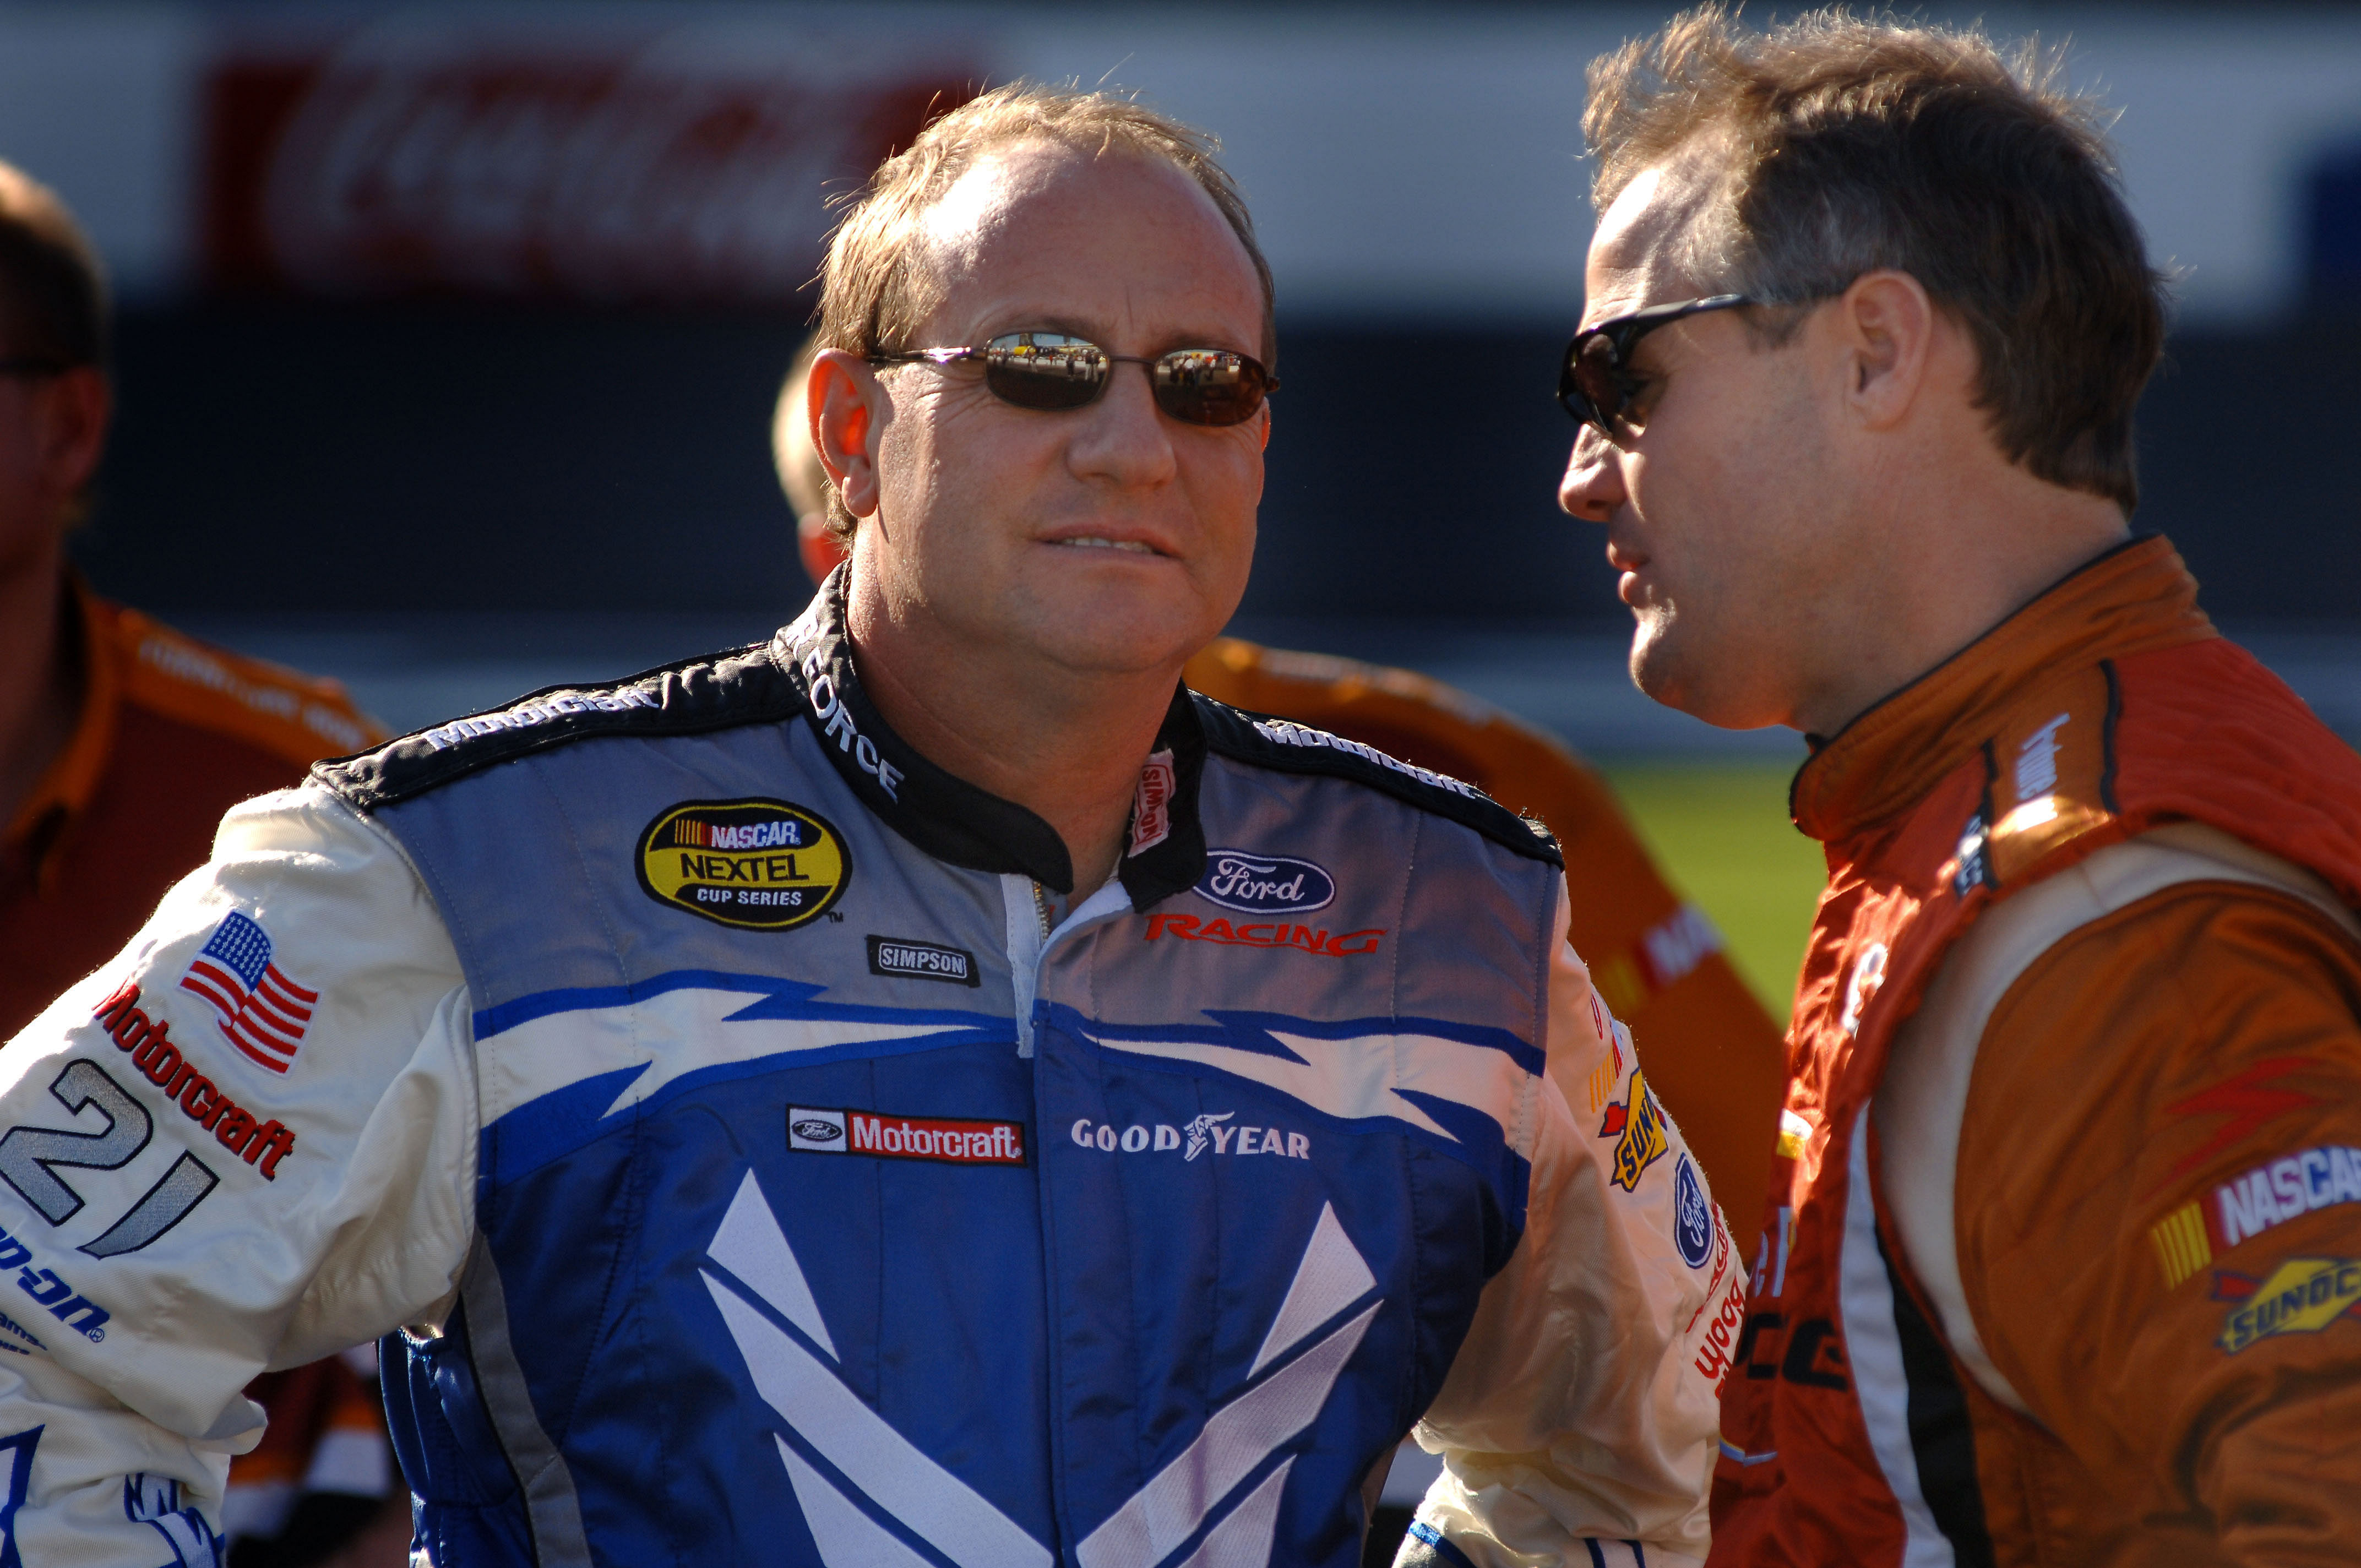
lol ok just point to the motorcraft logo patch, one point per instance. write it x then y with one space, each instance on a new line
898 960
763 865
2301 1296
949 1140
1637 1126
1265 884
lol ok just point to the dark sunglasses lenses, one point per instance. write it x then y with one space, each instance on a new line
1050 370
1592 385
1045 370
1205 386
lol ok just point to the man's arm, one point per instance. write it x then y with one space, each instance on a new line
1582 1407
2159 1214
246 1142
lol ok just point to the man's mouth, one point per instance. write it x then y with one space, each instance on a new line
1092 542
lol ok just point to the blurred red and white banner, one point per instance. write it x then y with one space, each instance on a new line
692 164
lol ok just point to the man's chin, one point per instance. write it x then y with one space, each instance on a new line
1668 669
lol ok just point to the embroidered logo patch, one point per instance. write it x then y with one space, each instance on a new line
1692 1215
1265 884
258 1010
950 1140
1151 804
1637 1126
898 960
763 865
2301 1296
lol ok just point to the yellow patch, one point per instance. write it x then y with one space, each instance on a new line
2301 1296
762 865
1637 1126
2181 1244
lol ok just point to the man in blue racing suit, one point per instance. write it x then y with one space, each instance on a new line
922 1090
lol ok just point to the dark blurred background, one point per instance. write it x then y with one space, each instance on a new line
449 334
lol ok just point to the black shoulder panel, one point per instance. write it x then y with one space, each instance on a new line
1286 746
712 691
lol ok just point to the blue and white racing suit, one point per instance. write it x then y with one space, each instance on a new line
686 1076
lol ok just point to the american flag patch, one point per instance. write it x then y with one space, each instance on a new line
262 1012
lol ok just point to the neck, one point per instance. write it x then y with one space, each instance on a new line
1067 745
1944 572
38 676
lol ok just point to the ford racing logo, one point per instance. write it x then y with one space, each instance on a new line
1265 884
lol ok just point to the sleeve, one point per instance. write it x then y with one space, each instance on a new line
2159 1215
1578 1422
247 1143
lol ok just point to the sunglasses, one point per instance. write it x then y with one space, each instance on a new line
1596 384
1052 370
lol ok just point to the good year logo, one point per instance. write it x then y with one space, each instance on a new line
1265 884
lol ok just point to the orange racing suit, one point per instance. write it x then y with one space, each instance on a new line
2064 1264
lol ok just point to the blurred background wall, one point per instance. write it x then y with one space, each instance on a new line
450 332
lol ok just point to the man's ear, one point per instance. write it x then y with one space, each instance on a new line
76 407
846 410
1888 325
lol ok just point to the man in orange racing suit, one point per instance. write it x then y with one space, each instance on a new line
1712 1053
121 744
2064 1263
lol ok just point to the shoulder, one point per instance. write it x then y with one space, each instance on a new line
1417 717
1284 745
695 695
282 712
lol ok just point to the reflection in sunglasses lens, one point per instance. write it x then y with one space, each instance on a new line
1044 370
1052 370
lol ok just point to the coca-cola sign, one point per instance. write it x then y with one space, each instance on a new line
693 164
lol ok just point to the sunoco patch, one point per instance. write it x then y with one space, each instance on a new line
763 865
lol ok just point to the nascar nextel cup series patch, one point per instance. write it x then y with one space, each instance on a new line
764 865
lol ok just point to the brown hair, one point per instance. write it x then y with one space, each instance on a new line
877 285
1837 145
52 290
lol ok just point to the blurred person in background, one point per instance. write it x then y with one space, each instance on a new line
1713 1053
122 742
927 1081
2063 1262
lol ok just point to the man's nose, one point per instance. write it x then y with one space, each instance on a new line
1124 439
1593 486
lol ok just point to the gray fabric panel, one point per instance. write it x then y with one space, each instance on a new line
550 1502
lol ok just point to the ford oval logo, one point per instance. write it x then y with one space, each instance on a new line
1265 884
818 1132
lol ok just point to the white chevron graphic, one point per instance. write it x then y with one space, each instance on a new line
951 1517
666 1036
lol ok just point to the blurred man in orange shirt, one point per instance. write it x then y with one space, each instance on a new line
121 744
1711 1051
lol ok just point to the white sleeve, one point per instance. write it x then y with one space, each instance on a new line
205 1176
1579 1421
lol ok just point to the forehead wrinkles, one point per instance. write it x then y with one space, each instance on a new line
953 232
1662 237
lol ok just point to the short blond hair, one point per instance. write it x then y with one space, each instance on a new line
875 286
